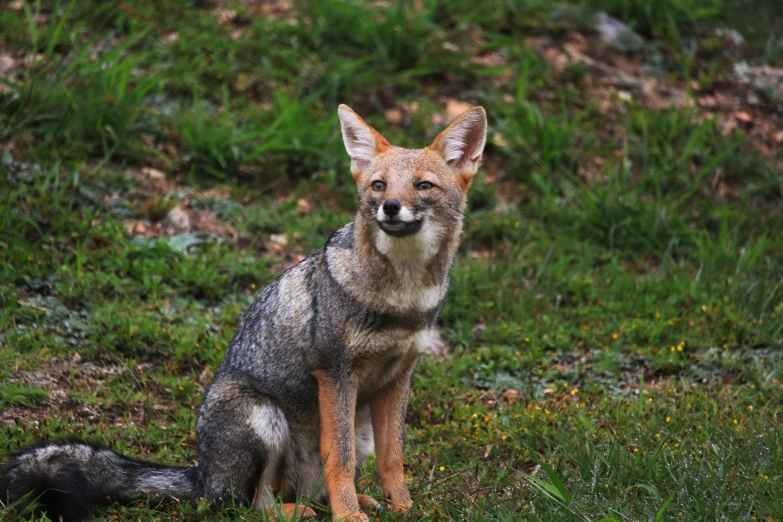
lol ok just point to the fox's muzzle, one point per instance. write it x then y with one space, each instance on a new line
401 228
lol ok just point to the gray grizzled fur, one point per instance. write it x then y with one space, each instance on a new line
368 299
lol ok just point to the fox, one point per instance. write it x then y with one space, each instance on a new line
318 374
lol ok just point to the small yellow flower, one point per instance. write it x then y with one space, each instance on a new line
750 407
668 419
443 468
574 391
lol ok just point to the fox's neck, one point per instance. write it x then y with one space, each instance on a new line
421 259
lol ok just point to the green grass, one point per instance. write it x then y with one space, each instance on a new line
616 309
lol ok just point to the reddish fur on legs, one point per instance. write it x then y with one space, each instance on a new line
337 405
388 421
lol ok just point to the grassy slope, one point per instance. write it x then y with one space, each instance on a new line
624 283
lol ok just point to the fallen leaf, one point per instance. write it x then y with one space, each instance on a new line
226 15
153 174
499 140
410 108
743 116
280 239
438 119
136 228
394 115
510 396
207 221
455 108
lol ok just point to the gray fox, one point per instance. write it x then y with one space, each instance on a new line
317 376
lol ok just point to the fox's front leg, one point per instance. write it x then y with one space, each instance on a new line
337 408
388 424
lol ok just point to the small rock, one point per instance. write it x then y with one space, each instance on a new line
7 64
177 222
779 137
732 35
76 358
613 31
743 116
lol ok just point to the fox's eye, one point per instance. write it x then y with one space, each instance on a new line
424 185
378 186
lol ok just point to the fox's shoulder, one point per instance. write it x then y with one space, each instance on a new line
342 238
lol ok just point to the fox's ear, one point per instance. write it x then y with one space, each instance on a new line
361 141
462 142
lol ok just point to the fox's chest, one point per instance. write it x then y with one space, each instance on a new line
390 358
364 343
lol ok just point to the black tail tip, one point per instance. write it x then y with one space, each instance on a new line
66 496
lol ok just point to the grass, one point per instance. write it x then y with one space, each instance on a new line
616 311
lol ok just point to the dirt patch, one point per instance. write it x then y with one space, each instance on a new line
62 377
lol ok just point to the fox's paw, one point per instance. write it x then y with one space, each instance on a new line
367 503
358 516
289 511
401 508
400 499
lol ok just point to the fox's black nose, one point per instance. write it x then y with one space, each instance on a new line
391 207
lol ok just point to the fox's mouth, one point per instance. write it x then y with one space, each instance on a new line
400 228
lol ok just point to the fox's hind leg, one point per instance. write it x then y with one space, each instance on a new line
241 437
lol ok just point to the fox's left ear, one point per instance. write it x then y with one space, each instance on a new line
462 142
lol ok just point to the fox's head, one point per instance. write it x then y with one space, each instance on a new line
419 194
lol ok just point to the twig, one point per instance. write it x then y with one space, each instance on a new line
41 308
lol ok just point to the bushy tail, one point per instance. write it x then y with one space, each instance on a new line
67 480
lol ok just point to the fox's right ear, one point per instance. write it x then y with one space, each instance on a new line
361 141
